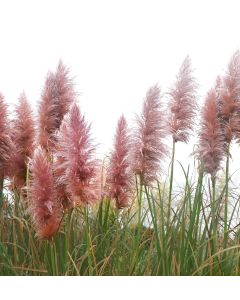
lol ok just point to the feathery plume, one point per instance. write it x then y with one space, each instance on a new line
23 134
75 158
57 97
211 139
44 206
65 92
229 99
5 139
147 146
182 104
47 113
119 179
58 167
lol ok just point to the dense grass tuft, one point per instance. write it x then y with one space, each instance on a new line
102 240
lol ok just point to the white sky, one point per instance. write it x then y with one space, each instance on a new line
116 50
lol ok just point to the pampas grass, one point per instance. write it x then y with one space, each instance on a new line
148 149
183 103
183 109
23 135
211 150
57 96
119 176
76 158
5 139
69 225
44 206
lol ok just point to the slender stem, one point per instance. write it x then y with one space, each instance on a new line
138 229
88 241
53 262
154 220
1 193
226 199
214 222
139 195
171 182
139 224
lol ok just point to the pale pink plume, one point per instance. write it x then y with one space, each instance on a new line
65 92
75 159
47 123
182 104
148 149
23 135
59 174
229 100
211 139
45 208
57 96
119 175
5 139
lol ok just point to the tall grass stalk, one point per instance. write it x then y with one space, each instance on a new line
171 180
213 212
1 194
226 198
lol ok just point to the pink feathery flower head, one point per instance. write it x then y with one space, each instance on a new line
229 99
5 139
211 139
75 158
45 208
57 96
65 92
182 104
23 135
218 86
119 175
47 113
148 149
59 174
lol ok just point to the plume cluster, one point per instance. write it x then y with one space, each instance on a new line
57 96
182 103
23 135
211 138
5 139
75 161
44 205
229 100
119 175
71 174
148 149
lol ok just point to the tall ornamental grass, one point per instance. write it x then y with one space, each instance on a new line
65 212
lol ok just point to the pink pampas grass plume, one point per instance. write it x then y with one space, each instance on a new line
229 99
59 171
65 92
47 113
148 149
119 175
211 139
57 97
182 104
5 139
23 134
44 206
75 159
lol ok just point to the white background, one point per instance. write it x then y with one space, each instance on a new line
120 288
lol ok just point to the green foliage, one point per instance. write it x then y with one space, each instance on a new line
145 239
